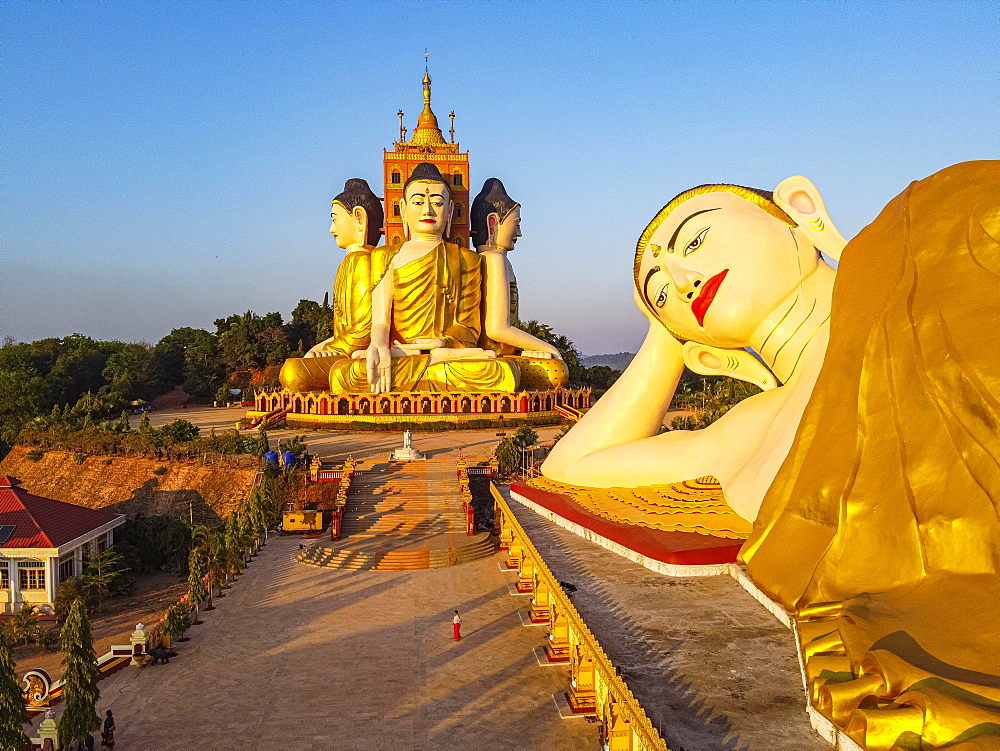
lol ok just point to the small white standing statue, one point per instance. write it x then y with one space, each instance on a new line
407 453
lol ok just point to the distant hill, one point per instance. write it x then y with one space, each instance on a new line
618 361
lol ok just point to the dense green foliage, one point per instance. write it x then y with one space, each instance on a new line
80 691
154 543
175 440
711 398
598 377
510 451
89 379
13 714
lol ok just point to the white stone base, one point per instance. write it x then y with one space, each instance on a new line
407 455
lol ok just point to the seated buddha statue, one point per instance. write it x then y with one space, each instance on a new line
427 303
496 226
357 218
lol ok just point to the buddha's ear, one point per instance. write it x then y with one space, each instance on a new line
361 217
492 222
801 200
735 363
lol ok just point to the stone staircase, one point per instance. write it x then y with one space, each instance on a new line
402 516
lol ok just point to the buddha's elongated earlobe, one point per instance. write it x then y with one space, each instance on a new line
801 200
451 215
361 217
492 222
735 363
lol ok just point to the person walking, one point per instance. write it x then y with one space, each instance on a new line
457 623
108 735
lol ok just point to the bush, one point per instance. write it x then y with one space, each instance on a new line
108 460
74 588
79 458
161 470
34 456
46 639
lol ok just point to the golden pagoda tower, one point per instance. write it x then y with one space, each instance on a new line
427 144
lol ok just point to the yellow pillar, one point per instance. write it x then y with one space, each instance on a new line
541 601
557 648
582 696
525 573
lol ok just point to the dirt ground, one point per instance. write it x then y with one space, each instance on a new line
113 624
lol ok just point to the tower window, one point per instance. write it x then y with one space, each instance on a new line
395 178
458 209
456 179
395 209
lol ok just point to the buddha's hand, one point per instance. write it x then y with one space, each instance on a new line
379 368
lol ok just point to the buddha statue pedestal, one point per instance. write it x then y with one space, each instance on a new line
407 453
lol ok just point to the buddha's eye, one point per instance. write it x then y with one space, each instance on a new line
696 242
661 299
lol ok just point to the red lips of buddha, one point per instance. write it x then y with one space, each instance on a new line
700 306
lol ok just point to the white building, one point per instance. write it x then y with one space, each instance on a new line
43 542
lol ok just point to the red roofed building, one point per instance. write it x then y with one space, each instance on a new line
43 542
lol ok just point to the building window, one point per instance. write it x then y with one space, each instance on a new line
31 574
395 209
103 544
395 178
458 209
67 567
456 179
4 576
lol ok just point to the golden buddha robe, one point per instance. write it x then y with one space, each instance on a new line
881 531
436 296
352 322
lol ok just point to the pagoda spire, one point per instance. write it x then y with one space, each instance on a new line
427 132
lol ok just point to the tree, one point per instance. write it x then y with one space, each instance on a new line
177 622
104 570
22 626
197 568
13 712
144 426
72 589
80 690
510 450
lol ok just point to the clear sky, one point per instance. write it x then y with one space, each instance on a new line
166 164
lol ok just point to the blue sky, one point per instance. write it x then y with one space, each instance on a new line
166 164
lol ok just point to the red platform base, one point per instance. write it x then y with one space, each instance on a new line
675 548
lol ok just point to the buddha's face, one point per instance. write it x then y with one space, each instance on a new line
718 266
509 230
347 230
426 209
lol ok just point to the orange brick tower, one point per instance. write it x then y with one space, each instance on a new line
426 145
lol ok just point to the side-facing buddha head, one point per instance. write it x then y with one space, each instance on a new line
357 215
495 217
718 259
427 203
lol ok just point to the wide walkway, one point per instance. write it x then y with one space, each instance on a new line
711 667
299 657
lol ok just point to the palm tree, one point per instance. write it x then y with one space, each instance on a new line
539 330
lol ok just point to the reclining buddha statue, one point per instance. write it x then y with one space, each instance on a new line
427 309
870 464
356 222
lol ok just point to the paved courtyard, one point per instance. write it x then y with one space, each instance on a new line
338 445
297 657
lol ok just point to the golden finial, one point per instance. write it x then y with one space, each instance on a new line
452 129
402 128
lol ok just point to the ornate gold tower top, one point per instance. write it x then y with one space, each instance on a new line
427 132
426 144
